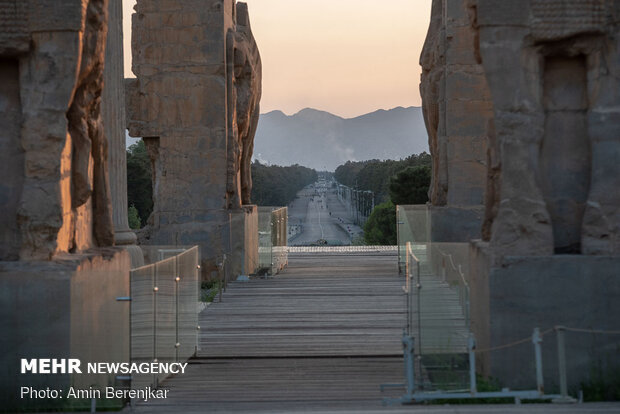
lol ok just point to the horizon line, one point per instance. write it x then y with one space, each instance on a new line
336 115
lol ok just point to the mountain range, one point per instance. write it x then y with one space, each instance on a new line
323 141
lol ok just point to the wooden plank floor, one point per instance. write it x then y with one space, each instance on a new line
323 334
322 305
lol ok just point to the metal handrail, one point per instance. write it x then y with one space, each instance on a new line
465 302
454 267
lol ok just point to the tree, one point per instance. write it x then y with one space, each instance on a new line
404 181
273 185
410 186
380 228
133 217
374 175
139 181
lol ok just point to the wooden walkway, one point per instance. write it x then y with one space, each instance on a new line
324 334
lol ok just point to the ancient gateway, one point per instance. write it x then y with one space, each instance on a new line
64 237
521 105
195 101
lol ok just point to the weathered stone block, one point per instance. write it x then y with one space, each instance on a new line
455 224
68 320
572 291
461 46
468 83
456 11
54 15
15 33
501 13
196 102
468 118
556 19
456 103
60 199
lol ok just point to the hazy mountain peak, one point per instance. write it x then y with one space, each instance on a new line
322 140
275 112
311 113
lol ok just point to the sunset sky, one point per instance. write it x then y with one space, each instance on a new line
348 57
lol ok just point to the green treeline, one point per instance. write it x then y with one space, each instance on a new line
374 175
273 185
394 182
139 185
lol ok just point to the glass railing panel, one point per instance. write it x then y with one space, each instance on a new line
413 225
438 301
264 239
187 315
279 228
142 321
272 239
166 311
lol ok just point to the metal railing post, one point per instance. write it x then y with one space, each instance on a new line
222 269
409 363
177 279
408 286
564 397
419 306
537 340
230 255
471 346
562 361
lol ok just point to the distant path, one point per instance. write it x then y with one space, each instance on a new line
321 217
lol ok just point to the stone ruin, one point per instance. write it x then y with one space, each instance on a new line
195 102
55 155
521 105
56 229
552 73
457 106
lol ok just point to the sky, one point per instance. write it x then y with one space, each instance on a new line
347 57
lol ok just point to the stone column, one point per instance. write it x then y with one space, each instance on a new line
113 108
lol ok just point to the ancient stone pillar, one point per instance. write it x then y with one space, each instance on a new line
113 108
552 70
195 101
56 230
457 111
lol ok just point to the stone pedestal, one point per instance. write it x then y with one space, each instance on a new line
455 224
65 308
574 291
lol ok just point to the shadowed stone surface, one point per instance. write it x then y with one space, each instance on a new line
59 280
551 124
456 105
56 195
520 104
553 78
195 102
458 112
